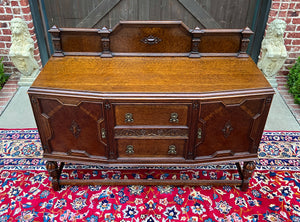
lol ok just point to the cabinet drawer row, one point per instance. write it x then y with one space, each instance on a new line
150 148
140 114
92 128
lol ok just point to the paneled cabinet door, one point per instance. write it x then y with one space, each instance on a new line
227 128
72 127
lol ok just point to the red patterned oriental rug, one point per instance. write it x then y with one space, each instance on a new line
26 193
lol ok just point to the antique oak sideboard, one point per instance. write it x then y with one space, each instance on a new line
150 94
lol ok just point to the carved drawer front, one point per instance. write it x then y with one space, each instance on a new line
151 148
152 114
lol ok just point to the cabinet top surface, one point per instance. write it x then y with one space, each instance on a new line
150 74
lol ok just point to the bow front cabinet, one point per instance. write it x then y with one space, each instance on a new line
150 94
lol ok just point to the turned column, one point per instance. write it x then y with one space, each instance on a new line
54 172
247 172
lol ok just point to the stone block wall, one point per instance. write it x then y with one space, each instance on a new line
10 9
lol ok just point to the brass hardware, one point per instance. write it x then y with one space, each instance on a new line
103 133
151 40
129 149
199 133
174 118
128 118
172 150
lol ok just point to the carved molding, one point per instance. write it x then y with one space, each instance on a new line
104 32
269 99
151 132
34 100
227 129
56 38
75 129
107 106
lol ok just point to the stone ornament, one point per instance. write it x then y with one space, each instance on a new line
21 52
273 49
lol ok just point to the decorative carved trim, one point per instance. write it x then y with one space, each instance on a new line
244 45
56 38
151 40
34 100
195 44
46 149
105 44
269 99
246 33
111 155
54 172
250 166
195 105
227 129
150 132
247 172
104 32
107 106
197 32
75 129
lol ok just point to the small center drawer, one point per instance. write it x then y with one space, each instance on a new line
151 148
153 114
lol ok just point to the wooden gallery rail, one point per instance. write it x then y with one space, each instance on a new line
150 94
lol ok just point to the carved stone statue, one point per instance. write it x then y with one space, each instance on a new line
21 51
273 49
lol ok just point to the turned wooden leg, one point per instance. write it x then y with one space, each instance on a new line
54 172
247 172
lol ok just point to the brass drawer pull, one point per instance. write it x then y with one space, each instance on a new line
174 118
172 150
129 149
128 118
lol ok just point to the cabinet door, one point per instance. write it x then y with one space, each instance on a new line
227 128
71 127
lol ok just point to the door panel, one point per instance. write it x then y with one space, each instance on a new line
77 128
226 129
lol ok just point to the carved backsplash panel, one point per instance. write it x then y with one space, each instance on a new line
148 38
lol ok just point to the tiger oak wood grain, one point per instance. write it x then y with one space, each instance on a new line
151 114
149 108
150 148
144 74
